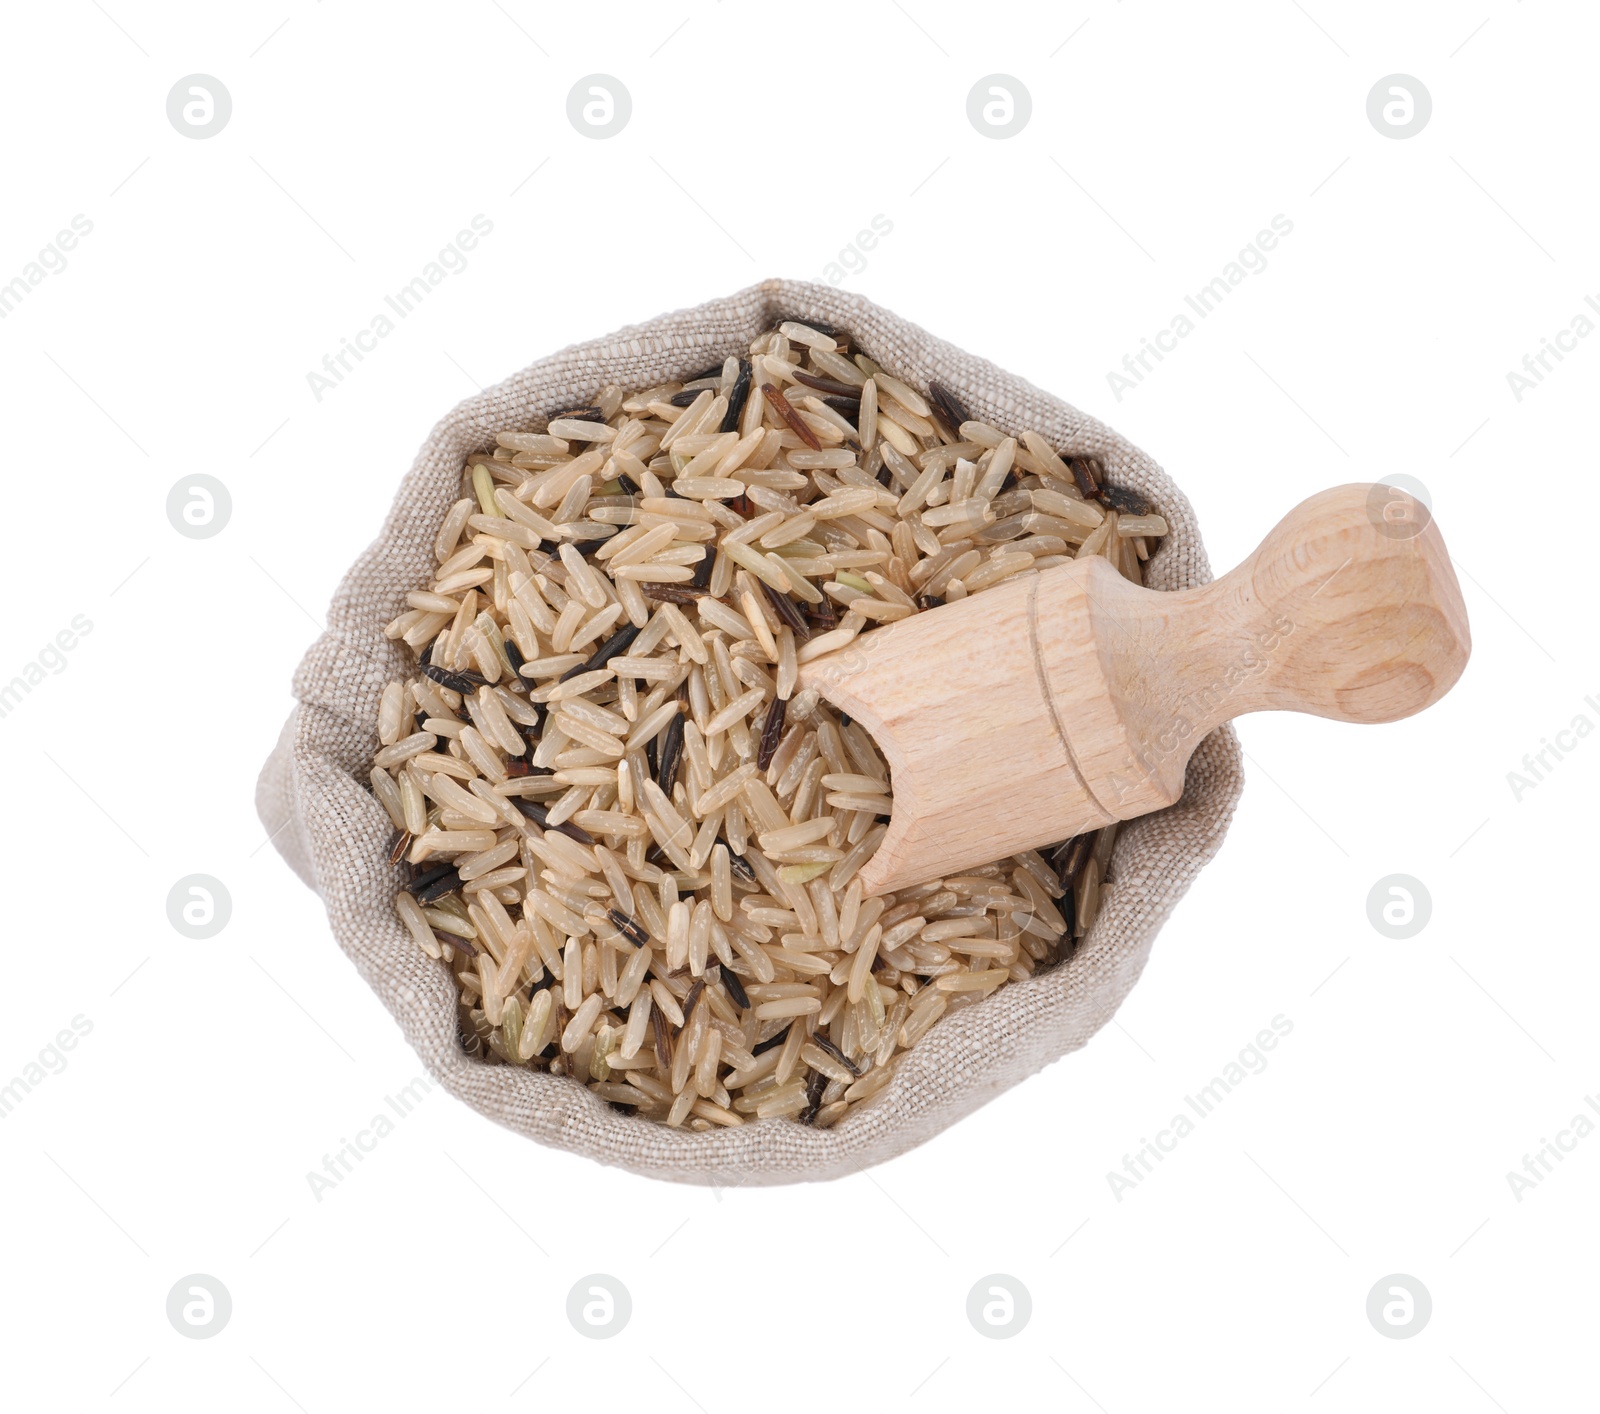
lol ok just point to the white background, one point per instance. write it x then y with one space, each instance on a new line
177 340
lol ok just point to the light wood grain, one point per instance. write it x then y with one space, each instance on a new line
1061 701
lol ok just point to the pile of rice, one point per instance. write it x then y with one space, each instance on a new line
633 841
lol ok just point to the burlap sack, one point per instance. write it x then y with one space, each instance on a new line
313 798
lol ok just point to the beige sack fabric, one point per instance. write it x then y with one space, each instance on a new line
313 797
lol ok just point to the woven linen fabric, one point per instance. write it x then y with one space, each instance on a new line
314 800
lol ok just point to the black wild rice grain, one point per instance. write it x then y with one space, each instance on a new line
446 883
579 414
461 945
823 615
663 1042
786 609
949 407
797 424
929 601
630 928
1083 473
617 643
849 409
671 593
823 1043
735 988
777 1040
741 867
398 846
827 385
464 683
690 1001
515 658
540 815
1070 857
702 571
629 487
738 396
1124 499
815 1085
687 396
424 874
671 755
588 539
771 733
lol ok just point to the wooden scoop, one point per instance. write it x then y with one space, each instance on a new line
1061 701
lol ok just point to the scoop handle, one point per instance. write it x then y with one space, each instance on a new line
1348 609
1052 704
